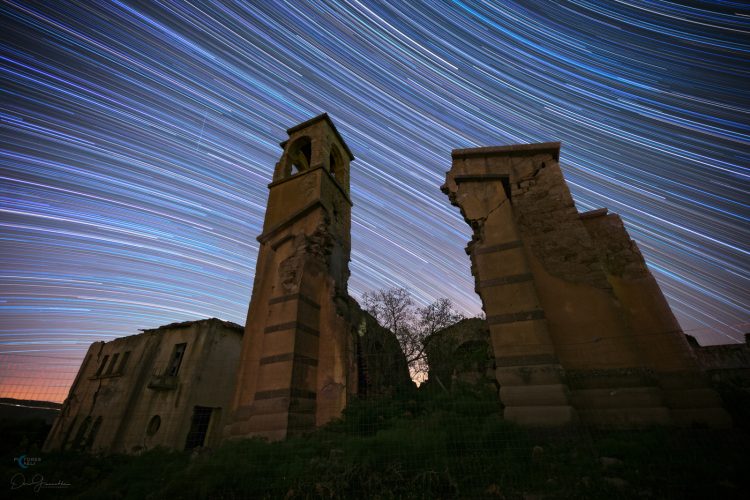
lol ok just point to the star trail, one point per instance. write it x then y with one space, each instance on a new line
138 140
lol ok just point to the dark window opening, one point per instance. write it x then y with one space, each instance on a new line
124 362
153 425
78 441
333 164
300 155
101 367
198 427
92 434
112 363
336 164
66 439
176 359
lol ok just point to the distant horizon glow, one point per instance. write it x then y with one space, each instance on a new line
138 140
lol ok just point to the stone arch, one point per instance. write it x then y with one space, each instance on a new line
336 163
153 425
298 156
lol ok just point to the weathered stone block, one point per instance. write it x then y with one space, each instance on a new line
534 395
611 398
542 416
625 418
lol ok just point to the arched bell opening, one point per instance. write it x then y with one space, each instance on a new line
336 164
298 156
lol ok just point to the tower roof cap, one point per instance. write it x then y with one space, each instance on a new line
312 121
552 148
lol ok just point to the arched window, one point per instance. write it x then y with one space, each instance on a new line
300 155
336 164
153 425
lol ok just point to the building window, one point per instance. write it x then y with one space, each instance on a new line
153 425
92 434
198 427
123 363
78 441
176 359
336 164
101 367
112 364
299 156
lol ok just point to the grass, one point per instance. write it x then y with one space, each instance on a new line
423 446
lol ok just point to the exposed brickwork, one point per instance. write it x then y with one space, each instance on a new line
549 222
618 253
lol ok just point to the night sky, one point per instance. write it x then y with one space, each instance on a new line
138 141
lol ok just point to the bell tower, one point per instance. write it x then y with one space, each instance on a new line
294 366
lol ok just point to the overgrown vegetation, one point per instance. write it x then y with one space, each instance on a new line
422 445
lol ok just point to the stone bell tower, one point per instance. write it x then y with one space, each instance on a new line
294 364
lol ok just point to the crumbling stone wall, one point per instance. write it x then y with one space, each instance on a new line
460 356
550 224
578 325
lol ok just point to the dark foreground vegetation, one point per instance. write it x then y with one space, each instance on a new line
417 446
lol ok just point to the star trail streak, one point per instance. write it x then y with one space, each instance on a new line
138 140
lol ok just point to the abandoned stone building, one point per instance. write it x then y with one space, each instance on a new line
168 386
576 329
579 328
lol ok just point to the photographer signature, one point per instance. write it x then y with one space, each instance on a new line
18 481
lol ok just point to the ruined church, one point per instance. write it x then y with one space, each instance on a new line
576 329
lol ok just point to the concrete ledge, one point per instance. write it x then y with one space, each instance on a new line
301 422
541 416
692 398
683 380
617 398
626 418
551 148
534 395
610 378
549 374
716 418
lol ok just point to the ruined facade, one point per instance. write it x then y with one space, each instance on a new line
169 386
579 327
299 361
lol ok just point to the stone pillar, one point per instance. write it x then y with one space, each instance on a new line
532 385
295 364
